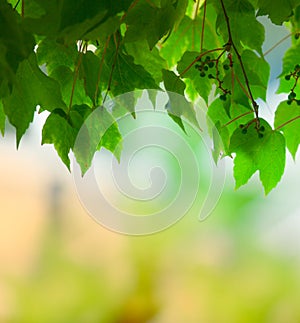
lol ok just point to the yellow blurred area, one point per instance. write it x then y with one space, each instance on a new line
58 265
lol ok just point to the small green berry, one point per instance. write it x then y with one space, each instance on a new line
226 67
244 131
292 96
210 76
205 68
207 58
202 74
223 97
297 36
211 64
289 102
298 102
262 128
260 135
287 77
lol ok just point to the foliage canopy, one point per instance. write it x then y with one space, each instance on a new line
66 57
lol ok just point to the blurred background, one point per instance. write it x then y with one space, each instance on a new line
242 264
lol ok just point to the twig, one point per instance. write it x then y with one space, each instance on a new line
231 44
100 68
286 123
112 68
236 118
203 26
277 44
81 49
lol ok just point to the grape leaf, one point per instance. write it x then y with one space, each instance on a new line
277 10
266 154
285 113
58 131
187 36
245 29
150 60
178 105
16 44
257 70
217 114
21 104
202 85
124 74
69 89
89 72
55 54
146 21
89 137
290 60
112 140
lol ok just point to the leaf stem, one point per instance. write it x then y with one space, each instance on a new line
100 69
286 123
236 118
232 44
76 72
203 25
118 41
277 44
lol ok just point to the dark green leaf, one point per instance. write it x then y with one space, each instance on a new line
32 87
285 113
266 154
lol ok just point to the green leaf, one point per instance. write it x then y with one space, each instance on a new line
218 114
202 85
16 44
187 36
178 105
146 21
245 28
277 10
149 59
74 20
58 131
89 72
173 83
71 86
55 54
258 72
285 113
112 140
90 136
32 87
2 119
290 60
266 154
125 75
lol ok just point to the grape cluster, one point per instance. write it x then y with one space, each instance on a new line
259 130
204 66
295 75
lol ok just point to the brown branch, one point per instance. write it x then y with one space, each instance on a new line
76 72
23 8
277 44
203 26
231 44
286 123
118 41
236 118
100 68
